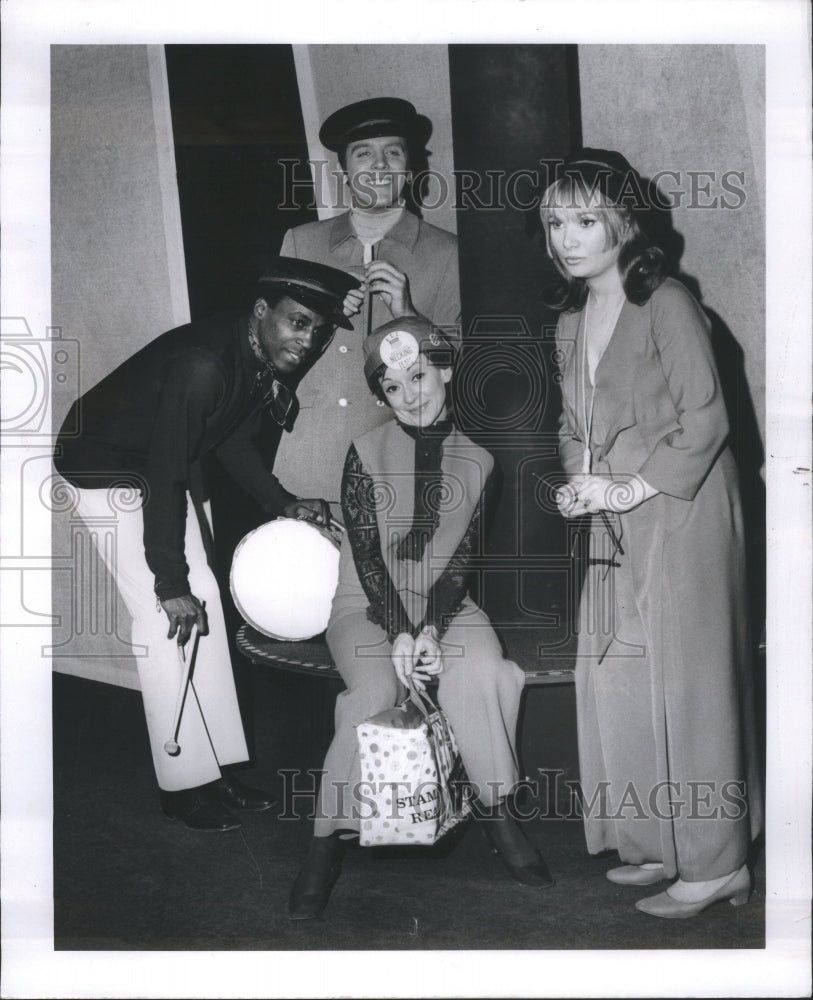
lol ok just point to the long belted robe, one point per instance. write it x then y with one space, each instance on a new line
666 735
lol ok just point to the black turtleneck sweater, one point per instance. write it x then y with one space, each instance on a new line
360 499
195 390
428 486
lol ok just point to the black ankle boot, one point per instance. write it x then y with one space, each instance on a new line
316 878
506 839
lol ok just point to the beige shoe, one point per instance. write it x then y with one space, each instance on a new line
636 875
736 889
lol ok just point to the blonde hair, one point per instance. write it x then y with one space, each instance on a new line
571 193
642 267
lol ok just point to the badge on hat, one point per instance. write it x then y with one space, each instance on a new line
399 349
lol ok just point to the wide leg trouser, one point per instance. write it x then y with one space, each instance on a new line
211 732
479 690
666 758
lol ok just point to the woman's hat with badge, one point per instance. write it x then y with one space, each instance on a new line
398 343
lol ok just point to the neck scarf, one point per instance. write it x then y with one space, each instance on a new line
428 476
277 398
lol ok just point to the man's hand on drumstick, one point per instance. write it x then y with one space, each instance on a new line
381 278
184 613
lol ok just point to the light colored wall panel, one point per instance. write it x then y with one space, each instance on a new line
331 76
695 108
118 280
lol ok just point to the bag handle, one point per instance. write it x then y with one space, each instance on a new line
441 742
423 701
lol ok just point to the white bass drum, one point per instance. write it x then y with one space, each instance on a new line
283 578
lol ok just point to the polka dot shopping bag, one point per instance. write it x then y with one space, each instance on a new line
414 787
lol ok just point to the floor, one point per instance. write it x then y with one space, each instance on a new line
127 878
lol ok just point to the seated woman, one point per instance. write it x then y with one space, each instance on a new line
413 495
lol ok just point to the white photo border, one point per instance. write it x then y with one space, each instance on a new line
31 968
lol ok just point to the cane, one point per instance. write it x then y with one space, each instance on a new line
172 747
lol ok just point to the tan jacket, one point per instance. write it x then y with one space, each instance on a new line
335 402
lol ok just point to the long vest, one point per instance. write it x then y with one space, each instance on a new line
663 673
387 456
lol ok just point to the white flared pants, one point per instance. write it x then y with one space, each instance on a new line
211 731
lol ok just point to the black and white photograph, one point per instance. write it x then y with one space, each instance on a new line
406 499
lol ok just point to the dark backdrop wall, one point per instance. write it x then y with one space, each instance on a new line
513 107
236 117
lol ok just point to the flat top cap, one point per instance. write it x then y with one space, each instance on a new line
316 286
608 171
373 117
398 343
598 160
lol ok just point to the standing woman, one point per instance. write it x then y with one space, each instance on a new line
666 739
413 497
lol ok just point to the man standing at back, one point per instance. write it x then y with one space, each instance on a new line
408 268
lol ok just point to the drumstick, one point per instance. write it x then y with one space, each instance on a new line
368 323
172 747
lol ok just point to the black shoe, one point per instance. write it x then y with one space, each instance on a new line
198 809
234 794
506 839
316 878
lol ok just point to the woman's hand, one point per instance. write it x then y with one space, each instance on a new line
428 656
383 279
566 497
616 494
403 657
417 659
